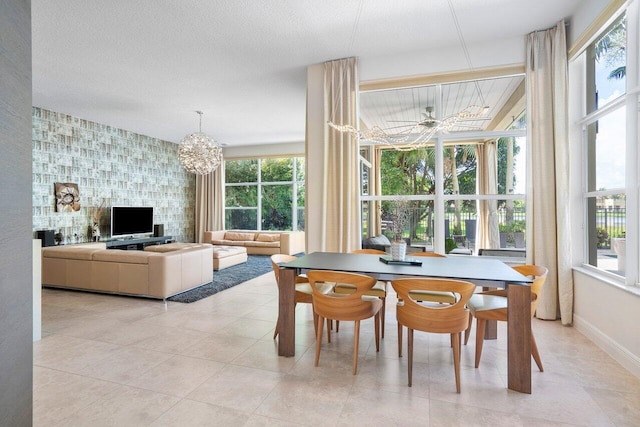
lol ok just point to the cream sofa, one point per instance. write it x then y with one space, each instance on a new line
259 242
93 267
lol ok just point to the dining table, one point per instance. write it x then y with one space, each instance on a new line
484 272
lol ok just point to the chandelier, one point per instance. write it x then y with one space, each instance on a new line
415 136
418 134
198 153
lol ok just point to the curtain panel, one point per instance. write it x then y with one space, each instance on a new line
209 202
341 184
548 216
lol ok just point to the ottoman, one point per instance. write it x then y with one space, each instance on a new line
226 256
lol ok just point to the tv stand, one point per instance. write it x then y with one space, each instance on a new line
134 244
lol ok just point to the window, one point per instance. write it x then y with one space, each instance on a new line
264 194
473 172
605 141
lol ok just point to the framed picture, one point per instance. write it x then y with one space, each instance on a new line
67 197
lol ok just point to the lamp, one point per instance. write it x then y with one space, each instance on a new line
198 153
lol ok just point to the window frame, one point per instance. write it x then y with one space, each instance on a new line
295 183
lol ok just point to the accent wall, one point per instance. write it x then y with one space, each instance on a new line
113 165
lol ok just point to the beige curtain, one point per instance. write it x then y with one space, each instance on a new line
487 233
341 183
209 202
548 213
375 189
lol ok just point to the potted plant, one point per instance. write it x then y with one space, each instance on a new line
399 217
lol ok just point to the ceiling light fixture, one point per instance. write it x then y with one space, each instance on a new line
418 134
198 153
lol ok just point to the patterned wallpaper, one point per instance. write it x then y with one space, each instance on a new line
120 167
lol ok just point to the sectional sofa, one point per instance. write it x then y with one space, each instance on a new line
259 242
93 267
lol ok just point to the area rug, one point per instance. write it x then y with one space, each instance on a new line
256 265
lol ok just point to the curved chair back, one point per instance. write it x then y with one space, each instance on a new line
431 254
341 306
278 259
441 318
368 251
539 276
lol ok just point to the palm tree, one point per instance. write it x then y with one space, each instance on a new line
612 49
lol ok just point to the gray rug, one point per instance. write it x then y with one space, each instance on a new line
256 265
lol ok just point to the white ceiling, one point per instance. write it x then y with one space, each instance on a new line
147 65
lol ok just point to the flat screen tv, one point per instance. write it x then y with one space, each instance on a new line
129 220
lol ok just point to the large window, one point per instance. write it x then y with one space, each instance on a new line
605 143
469 176
265 194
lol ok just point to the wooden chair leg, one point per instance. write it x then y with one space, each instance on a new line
410 354
319 338
376 321
480 326
399 340
315 323
275 333
356 342
384 309
337 326
467 332
455 340
535 354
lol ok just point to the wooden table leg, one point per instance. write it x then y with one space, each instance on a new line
286 313
519 338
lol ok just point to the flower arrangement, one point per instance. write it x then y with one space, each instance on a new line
95 217
399 216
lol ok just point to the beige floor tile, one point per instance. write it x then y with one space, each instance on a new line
177 375
221 348
109 360
623 407
124 406
311 401
70 354
197 414
237 387
58 395
248 328
380 408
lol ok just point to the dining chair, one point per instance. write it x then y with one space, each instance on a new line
379 290
354 306
450 319
303 289
492 305
432 296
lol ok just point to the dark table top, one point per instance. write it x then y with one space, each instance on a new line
473 269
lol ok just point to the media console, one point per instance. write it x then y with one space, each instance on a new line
138 244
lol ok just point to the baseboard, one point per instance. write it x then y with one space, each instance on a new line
612 348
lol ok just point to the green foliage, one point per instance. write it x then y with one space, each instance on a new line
276 207
449 245
512 227
603 238
275 170
611 49
241 171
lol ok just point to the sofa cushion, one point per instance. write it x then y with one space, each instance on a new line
128 257
70 253
264 237
238 236
262 244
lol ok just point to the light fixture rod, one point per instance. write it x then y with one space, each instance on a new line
200 113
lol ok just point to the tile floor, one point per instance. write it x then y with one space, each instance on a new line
117 361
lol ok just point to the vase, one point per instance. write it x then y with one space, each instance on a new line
95 232
398 250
